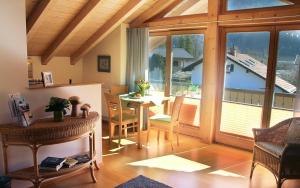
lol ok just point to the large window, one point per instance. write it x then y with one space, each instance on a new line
287 76
157 64
251 4
187 65
245 75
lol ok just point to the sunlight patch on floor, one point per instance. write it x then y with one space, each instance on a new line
105 137
171 162
110 154
226 173
124 142
116 149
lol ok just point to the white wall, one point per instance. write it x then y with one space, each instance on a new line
13 52
115 46
13 78
60 67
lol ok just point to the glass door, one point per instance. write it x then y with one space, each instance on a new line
286 76
244 77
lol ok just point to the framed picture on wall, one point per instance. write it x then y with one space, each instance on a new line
103 63
47 79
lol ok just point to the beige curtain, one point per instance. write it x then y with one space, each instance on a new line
137 55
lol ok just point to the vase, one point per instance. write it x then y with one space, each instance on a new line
142 92
58 116
74 110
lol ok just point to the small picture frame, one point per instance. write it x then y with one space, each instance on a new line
47 79
103 63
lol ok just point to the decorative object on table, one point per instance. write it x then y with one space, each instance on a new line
20 110
85 110
74 100
58 106
70 162
142 181
82 158
52 163
47 79
5 182
141 86
35 83
103 63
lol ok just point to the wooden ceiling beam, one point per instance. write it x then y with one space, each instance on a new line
35 15
166 10
104 30
158 7
67 32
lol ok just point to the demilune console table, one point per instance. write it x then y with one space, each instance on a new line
47 132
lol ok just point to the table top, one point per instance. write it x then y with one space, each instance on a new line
157 100
48 131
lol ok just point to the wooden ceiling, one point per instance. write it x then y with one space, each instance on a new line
72 27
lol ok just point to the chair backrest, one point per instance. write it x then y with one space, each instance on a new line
293 133
118 89
177 107
113 104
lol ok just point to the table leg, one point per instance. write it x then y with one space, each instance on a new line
4 147
166 111
34 149
140 125
91 144
94 151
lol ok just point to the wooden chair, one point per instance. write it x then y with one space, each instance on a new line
118 89
166 123
278 149
118 117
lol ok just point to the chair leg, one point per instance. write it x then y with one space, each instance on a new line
158 136
111 132
252 165
171 139
120 134
148 133
177 138
252 169
125 131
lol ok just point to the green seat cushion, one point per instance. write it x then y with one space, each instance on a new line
160 118
125 117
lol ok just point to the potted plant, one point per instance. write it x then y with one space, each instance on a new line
58 106
142 86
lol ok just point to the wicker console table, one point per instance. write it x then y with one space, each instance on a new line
46 132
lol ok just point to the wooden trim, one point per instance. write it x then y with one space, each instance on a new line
35 15
103 31
68 31
177 32
155 9
169 59
166 10
179 20
270 80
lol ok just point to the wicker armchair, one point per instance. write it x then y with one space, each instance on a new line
278 149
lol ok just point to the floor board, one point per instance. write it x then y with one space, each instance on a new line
192 164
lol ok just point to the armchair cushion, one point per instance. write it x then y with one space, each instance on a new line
274 149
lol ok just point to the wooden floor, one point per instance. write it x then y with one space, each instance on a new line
192 164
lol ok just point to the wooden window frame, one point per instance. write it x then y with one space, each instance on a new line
239 140
224 10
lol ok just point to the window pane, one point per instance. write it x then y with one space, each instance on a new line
250 4
189 7
187 65
287 73
244 83
157 64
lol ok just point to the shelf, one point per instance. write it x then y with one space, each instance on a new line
28 173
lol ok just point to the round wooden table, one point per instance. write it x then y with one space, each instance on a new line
47 132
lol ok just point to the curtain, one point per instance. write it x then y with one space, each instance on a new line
137 55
